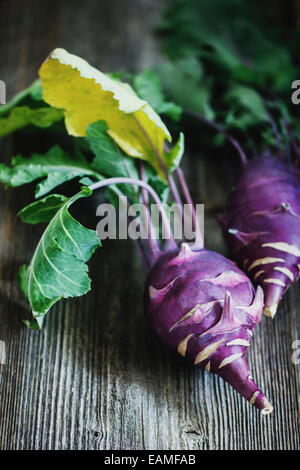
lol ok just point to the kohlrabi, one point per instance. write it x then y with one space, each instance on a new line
262 225
202 306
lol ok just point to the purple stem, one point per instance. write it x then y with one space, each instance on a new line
219 128
141 252
169 245
170 179
293 140
145 200
143 178
149 140
175 193
275 131
187 195
155 251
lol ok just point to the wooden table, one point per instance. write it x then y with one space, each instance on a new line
95 377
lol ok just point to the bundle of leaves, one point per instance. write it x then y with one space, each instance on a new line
235 61
99 143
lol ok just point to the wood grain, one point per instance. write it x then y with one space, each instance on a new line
95 377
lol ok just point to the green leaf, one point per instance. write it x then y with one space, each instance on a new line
176 153
43 210
58 267
22 116
232 35
246 107
148 86
246 52
33 94
109 160
86 181
160 187
55 167
185 84
35 323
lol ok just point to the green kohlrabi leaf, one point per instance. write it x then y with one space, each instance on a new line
30 95
109 160
22 116
185 84
243 39
246 107
43 210
58 267
86 181
160 187
148 86
176 152
55 167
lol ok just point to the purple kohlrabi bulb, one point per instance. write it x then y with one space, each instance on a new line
262 226
201 305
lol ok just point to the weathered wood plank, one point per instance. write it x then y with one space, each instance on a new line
95 377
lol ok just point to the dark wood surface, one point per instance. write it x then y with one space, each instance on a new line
95 377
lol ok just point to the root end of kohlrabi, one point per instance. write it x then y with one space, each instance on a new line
268 409
270 311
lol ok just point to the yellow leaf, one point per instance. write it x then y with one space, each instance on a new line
87 95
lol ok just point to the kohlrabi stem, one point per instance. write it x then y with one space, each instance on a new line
149 140
221 129
149 227
293 140
169 244
143 178
287 126
165 221
199 242
142 254
169 178
175 194
275 130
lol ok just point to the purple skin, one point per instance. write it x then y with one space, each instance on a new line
262 226
202 306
